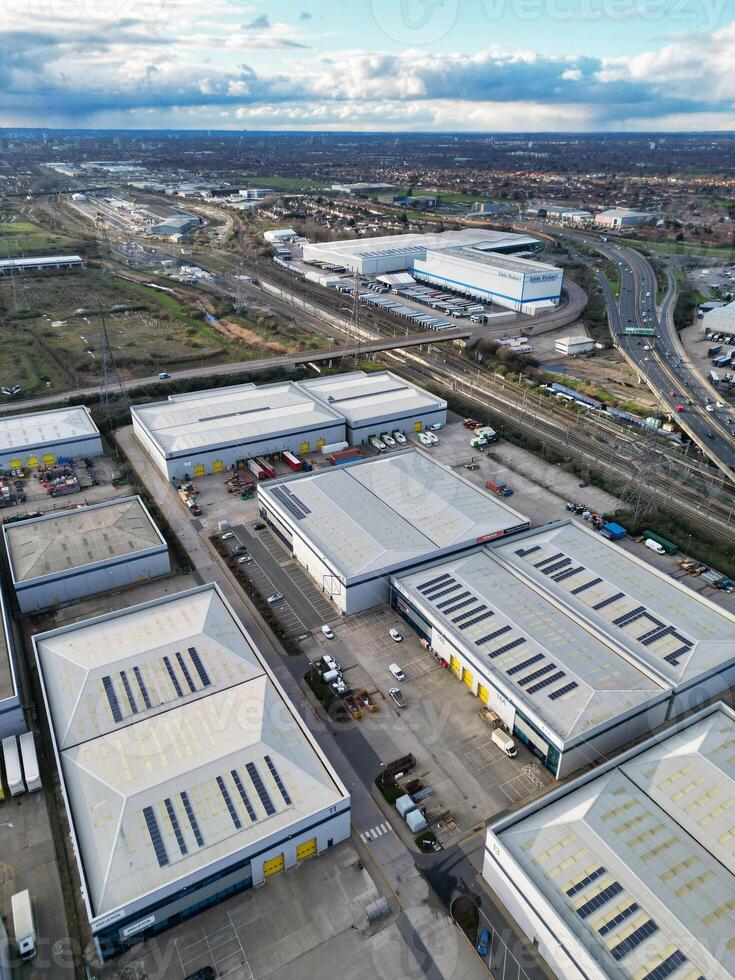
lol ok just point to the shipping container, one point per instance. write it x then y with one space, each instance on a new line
266 467
257 471
13 773
30 761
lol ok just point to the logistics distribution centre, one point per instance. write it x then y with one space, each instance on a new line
186 772
70 554
474 262
210 431
44 437
629 870
352 526
577 645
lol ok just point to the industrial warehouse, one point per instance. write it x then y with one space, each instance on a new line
377 402
396 253
67 555
628 871
517 284
575 644
209 431
218 784
42 263
354 525
44 437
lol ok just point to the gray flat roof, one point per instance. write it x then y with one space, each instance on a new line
661 623
70 539
153 709
7 679
374 515
521 639
494 260
39 429
647 840
362 396
230 416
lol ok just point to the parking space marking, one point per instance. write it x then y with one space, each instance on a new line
375 832
483 756
418 667
524 784
220 946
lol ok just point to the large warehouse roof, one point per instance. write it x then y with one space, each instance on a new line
662 624
373 515
71 539
570 677
413 243
636 859
509 263
176 745
361 397
230 416
41 429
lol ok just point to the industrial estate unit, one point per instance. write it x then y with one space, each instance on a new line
353 525
44 437
187 774
629 871
209 431
376 402
70 554
577 645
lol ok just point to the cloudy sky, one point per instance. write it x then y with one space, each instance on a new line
509 65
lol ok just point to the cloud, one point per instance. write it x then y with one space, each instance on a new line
142 60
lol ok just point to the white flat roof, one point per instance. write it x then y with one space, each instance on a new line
396 244
24 433
177 747
637 860
495 260
361 397
536 649
661 623
71 539
231 416
720 311
40 260
374 515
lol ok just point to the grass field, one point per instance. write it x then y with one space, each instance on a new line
19 237
683 248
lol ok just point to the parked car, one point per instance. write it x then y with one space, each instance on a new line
227 535
433 440
397 672
423 438
276 597
328 632
678 408
395 635
395 693
244 560
400 438
259 526
239 549
436 426
389 441
483 942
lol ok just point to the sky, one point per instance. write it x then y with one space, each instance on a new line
395 65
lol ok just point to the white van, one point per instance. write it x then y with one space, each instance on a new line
655 546
504 742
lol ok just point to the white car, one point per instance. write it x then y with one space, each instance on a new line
245 560
436 426
423 439
433 440
395 635
389 441
328 632
227 535
400 438
710 408
397 672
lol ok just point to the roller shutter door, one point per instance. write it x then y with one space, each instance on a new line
467 677
456 666
482 693
306 849
273 866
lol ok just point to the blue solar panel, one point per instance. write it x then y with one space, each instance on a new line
508 646
609 601
129 692
556 566
569 573
141 685
546 681
587 585
460 605
176 826
587 880
425 586
185 671
478 619
563 690
620 917
228 803
433 595
599 900
630 616
491 636
471 612
243 795
174 678
192 819
155 834
260 789
525 663
199 667
454 598
525 552
670 965
537 673
279 782
538 564
112 699
636 937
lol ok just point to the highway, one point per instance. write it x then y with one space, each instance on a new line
659 358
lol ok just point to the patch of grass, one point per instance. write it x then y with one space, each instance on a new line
680 248
389 788
425 840
22 237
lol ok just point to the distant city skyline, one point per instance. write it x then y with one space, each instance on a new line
388 65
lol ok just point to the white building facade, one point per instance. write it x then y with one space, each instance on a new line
45 437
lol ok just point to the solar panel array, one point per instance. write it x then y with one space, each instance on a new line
181 816
506 646
621 610
291 502
154 683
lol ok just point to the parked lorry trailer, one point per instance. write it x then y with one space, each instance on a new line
266 467
498 487
293 462
24 925
13 772
257 470
669 547
30 762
